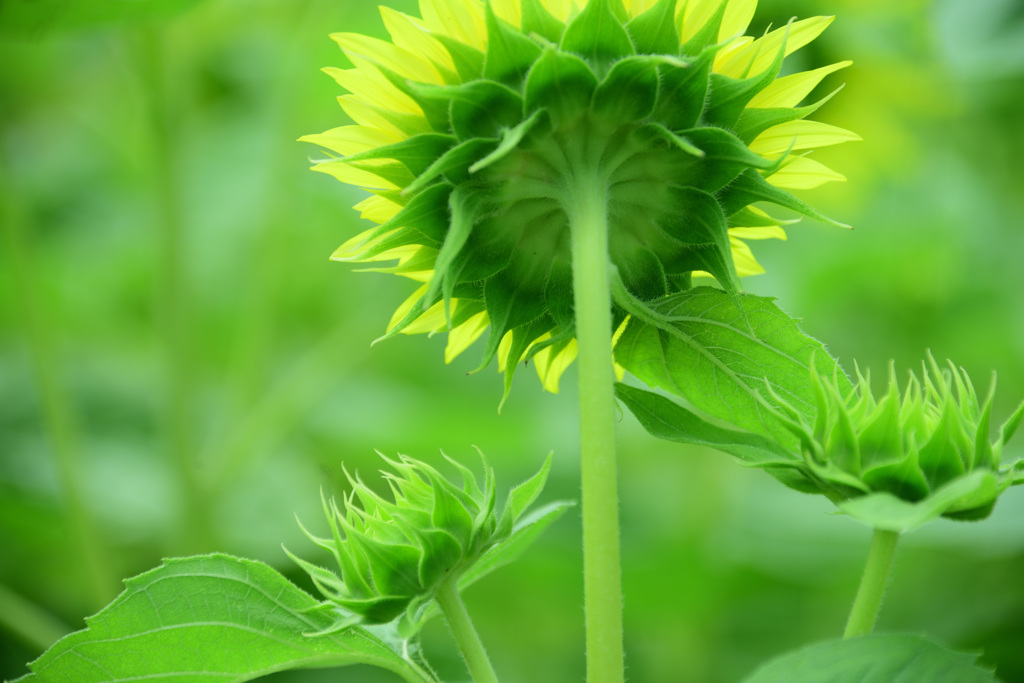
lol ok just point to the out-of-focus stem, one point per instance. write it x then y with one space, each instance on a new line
58 413
872 585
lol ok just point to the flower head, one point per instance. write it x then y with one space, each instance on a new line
476 122
394 555
901 460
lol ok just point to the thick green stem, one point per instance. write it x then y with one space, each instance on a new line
454 610
872 584
588 221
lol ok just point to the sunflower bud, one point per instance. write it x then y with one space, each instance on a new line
901 460
393 555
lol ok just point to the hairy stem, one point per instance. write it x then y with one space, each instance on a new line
872 585
454 610
588 221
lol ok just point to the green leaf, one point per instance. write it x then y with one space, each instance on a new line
702 346
211 616
654 32
509 52
666 419
886 511
876 658
597 34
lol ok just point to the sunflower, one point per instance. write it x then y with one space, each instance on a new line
478 122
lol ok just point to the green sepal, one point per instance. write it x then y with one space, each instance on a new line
469 62
683 92
537 19
511 302
745 218
654 32
417 152
509 52
651 131
902 479
563 84
441 553
750 187
326 581
597 34
706 38
702 225
479 109
1009 428
427 212
449 513
466 205
522 497
394 568
725 156
558 293
510 139
456 161
886 511
639 268
400 238
881 439
730 96
941 458
630 90
435 112
754 121
522 338
380 609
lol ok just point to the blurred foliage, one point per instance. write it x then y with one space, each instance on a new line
181 369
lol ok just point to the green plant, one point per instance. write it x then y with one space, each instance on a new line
553 173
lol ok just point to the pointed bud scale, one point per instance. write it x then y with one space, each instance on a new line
898 461
393 556
484 116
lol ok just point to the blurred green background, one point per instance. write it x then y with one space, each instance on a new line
182 369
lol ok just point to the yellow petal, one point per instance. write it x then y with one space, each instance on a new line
737 18
759 55
744 259
355 246
807 135
504 348
406 306
637 7
789 91
768 232
462 337
377 209
560 9
463 20
401 61
551 366
509 10
803 173
430 321
410 34
369 85
351 139
370 117
353 176
694 14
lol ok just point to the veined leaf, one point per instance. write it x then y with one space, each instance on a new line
874 658
211 617
721 352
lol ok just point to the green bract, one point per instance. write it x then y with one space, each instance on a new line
503 122
902 460
394 555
